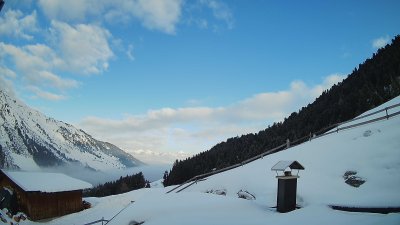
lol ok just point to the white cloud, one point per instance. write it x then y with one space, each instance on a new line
328 82
29 58
16 25
221 11
6 85
162 15
153 157
80 49
83 48
7 72
380 42
73 10
195 129
35 63
158 14
45 94
56 81
129 53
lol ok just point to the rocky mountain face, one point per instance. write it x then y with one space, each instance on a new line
30 140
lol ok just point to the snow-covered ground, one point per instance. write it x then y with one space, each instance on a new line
372 150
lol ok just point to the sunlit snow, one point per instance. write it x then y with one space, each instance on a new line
372 150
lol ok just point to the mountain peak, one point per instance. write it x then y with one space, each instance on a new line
31 140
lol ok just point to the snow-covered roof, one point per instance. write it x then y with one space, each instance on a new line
46 182
282 165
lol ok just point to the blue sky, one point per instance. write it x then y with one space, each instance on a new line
170 78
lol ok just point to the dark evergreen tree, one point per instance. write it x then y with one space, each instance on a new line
148 184
122 185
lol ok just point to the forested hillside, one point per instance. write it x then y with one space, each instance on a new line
122 185
374 82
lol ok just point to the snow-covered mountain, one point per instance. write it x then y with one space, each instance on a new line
30 140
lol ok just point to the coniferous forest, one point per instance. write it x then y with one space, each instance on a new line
122 185
374 82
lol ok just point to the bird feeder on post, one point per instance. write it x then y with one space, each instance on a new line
287 184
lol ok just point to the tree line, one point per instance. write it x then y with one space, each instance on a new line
122 185
374 82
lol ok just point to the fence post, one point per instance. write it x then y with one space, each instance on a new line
102 220
387 116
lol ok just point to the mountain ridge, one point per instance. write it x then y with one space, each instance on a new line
31 140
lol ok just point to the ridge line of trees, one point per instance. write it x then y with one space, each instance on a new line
122 185
374 82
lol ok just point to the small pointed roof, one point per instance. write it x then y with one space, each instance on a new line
282 165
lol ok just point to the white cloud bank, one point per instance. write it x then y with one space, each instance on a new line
161 15
77 41
16 25
194 129
80 49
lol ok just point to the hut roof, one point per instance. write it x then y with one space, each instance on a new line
46 182
282 165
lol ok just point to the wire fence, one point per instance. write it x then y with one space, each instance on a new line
104 222
335 128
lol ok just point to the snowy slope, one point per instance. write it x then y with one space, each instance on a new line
30 140
372 150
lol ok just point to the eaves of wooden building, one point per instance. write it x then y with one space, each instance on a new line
44 195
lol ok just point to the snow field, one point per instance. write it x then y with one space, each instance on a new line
372 150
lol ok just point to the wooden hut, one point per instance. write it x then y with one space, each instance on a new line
44 195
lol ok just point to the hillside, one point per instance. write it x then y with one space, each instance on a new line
371 150
30 140
374 82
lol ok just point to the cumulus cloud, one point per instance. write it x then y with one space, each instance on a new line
35 63
380 42
80 49
195 129
30 57
162 15
158 14
14 24
83 48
